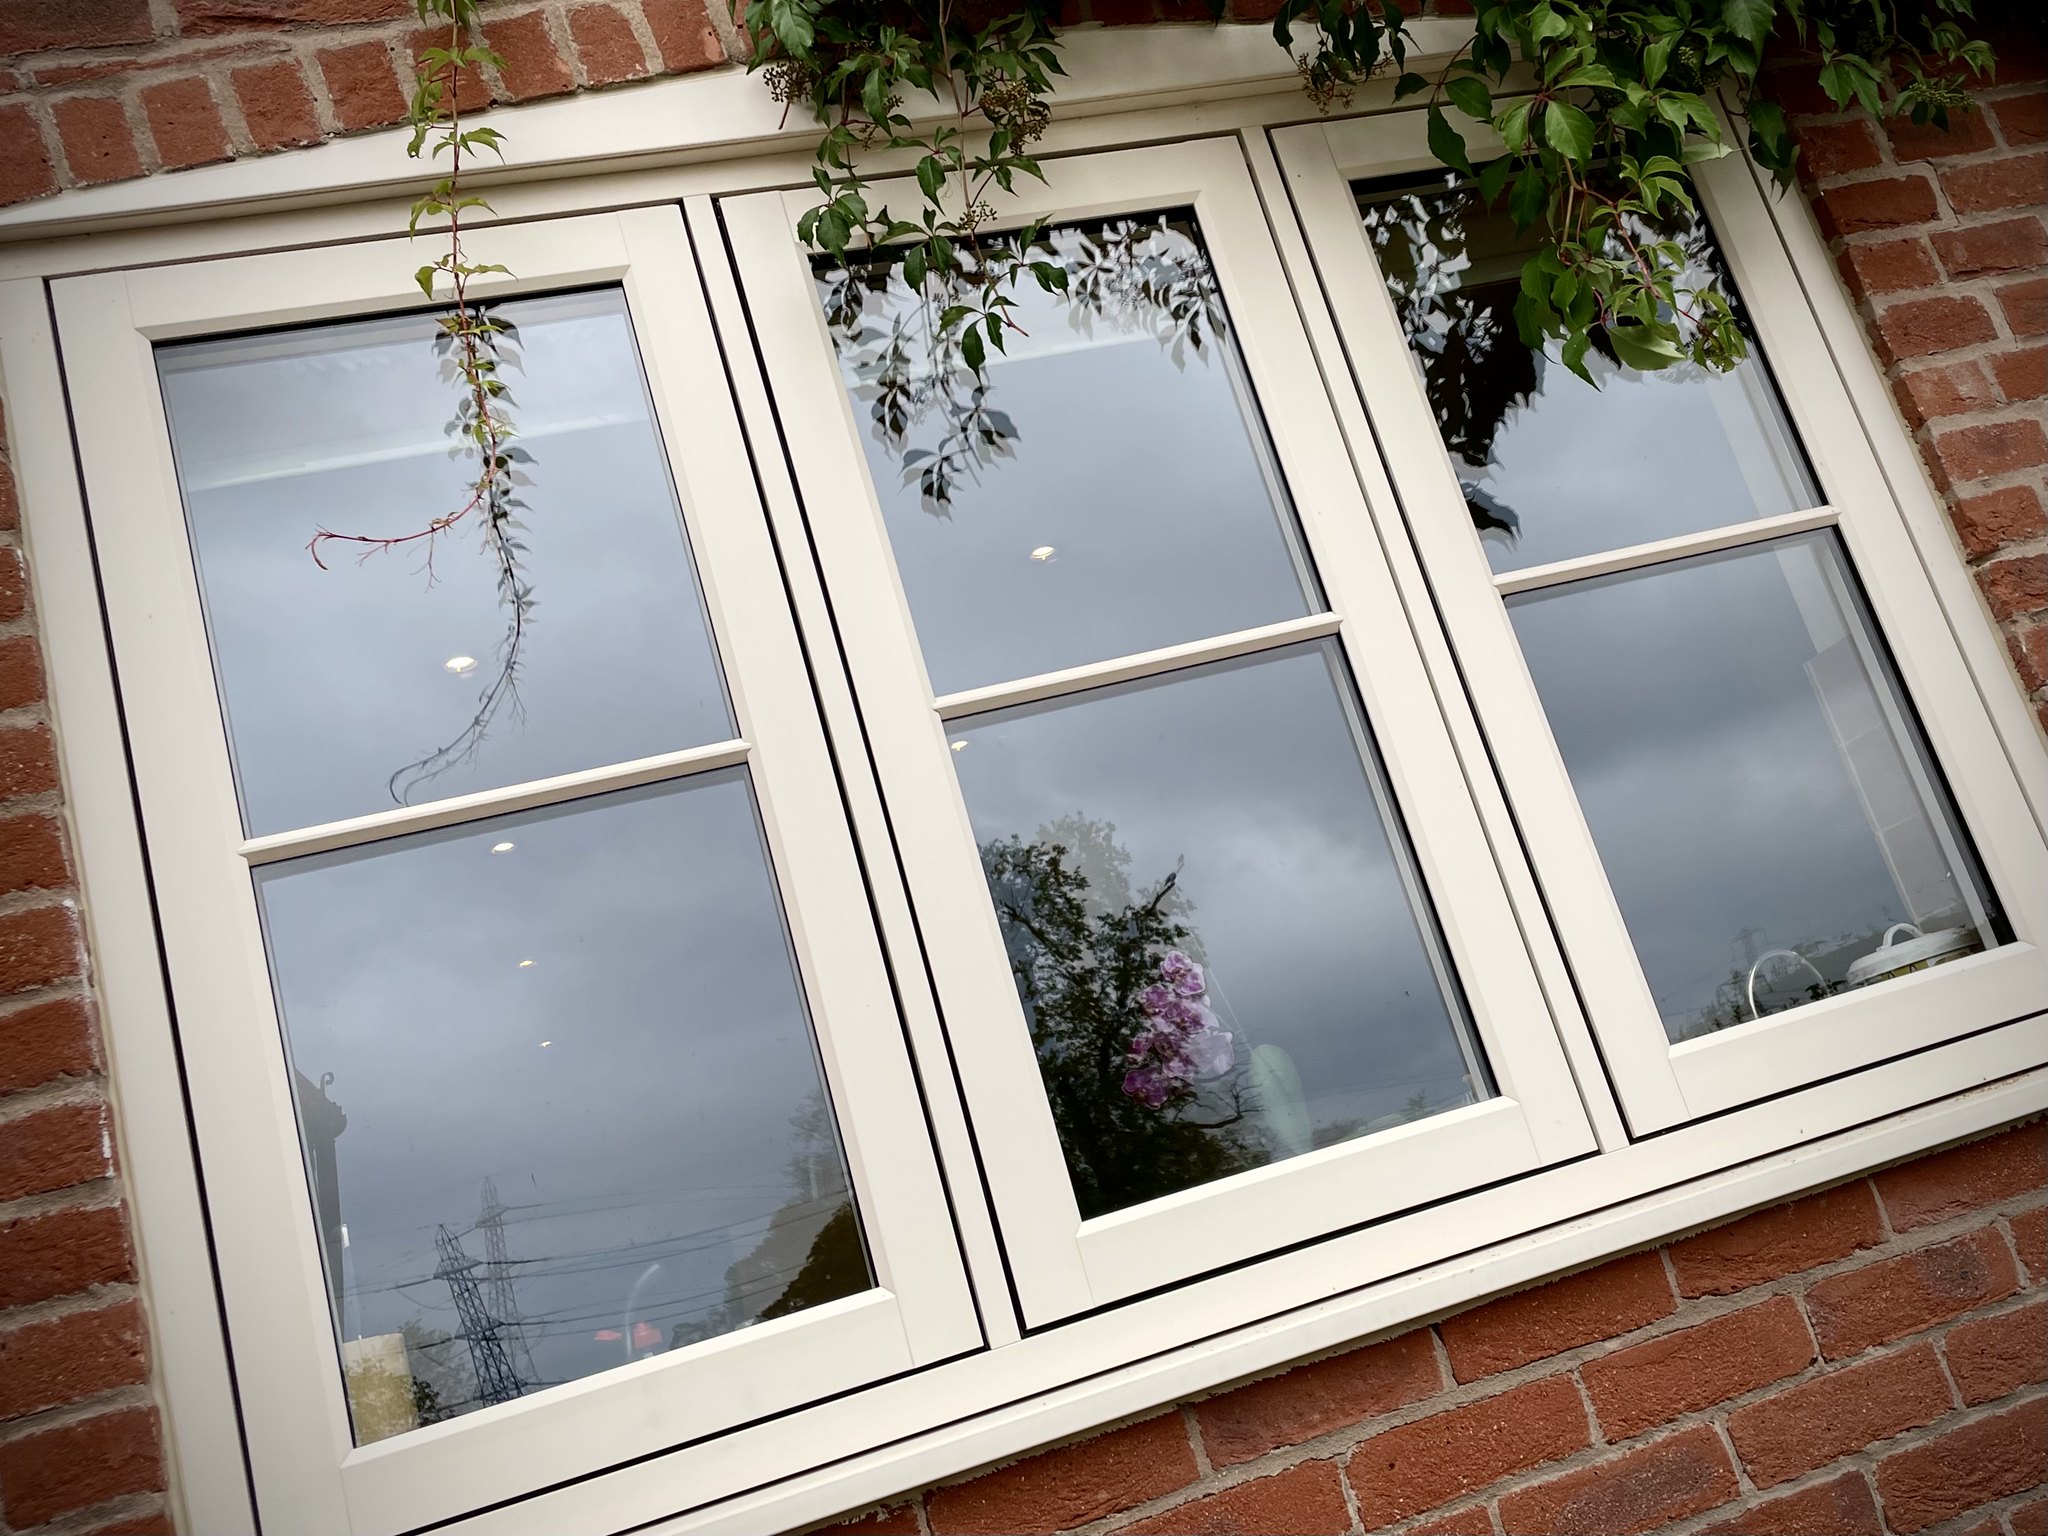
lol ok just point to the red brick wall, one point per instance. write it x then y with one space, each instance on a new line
1870 1358
1941 241
78 1424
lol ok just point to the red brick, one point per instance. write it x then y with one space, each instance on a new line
2000 1454
1894 1297
1966 134
277 105
683 35
25 167
362 85
1842 1506
2019 181
1889 266
1946 389
891 1520
2016 586
70 1358
533 67
1670 1479
53 1148
1829 149
1312 1400
21 672
54 1254
2025 306
32 854
10 502
28 761
97 143
1809 1425
1916 327
2022 375
1650 1384
1069 1486
38 947
1991 1356
606 45
1963 1178
2029 1519
1997 518
2013 245
1564 1314
1886 204
44 1041
1994 448
1474 1521
1305 1500
30 26
198 17
2029 649
108 1456
471 93
2030 1236
1417 1467
13 586
2023 119
184 122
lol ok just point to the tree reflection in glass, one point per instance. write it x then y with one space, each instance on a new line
1213 923
1103 487
1553 468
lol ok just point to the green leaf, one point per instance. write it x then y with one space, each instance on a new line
1575 346
1527 200
1409 84
1470 97
1513 125
931 178
1749 19
1568 131
1645 347
1446 143
1493 179
1657 58
970 348
425 278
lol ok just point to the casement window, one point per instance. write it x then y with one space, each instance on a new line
917 896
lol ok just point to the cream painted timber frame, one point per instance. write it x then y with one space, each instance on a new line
1660 1084
694 140
310 1477
1061 1264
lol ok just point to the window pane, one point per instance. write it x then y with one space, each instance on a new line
1766 810
1219 943
380 681
1111 489
558 1095
1553 468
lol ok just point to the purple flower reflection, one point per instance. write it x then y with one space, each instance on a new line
1182 1040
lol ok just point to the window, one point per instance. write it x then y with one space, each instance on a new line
1180 818
1731 725
542 1007
920 900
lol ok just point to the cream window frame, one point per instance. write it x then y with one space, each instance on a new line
1061 1264
310 1475
1660 1084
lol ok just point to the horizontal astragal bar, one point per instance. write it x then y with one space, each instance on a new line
1170 658
492 802
1635 556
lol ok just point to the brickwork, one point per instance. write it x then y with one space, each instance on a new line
79 1441
1871 1358
1942 242
1866 1358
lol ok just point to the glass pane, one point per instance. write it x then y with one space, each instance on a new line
1218 941
397 678
1553 468
558 1095
1768 815
1109 491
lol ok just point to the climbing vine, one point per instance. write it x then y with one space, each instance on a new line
1598 107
